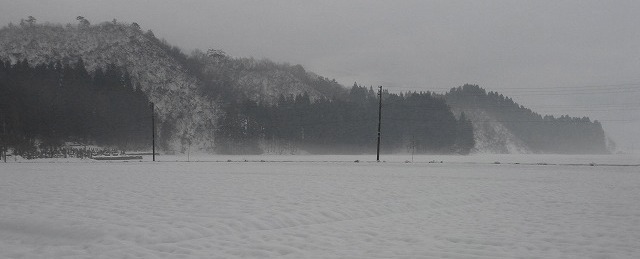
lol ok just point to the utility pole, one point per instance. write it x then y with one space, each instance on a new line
4 140
153 132
413 147
189 151
379 121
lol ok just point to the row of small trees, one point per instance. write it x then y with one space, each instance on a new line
82 22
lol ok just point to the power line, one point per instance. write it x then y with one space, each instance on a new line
530 121
590 89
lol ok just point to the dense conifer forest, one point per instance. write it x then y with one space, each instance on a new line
43 106
419 122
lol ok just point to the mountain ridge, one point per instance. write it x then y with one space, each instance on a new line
192 93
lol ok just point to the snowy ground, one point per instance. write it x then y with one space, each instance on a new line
320 207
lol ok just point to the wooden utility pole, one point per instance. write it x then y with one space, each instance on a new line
153 132
413 147
379 121
3 152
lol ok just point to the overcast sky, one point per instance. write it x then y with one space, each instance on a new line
580 58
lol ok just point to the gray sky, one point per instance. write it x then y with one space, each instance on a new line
580 58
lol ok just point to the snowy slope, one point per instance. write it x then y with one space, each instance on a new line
165 80
491 136
265 81
318 210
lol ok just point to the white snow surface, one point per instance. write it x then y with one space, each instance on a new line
323 207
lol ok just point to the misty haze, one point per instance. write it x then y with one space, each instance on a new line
319 129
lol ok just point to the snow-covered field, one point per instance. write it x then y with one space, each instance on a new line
323 207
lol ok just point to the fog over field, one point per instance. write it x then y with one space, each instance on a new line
570 57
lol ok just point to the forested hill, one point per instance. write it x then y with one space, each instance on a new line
503 126
160 74
69 83
189 91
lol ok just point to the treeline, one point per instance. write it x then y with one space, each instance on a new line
419 122
44 105
545 134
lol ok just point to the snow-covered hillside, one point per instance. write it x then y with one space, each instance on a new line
264 80
163 78
491 136
181 96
